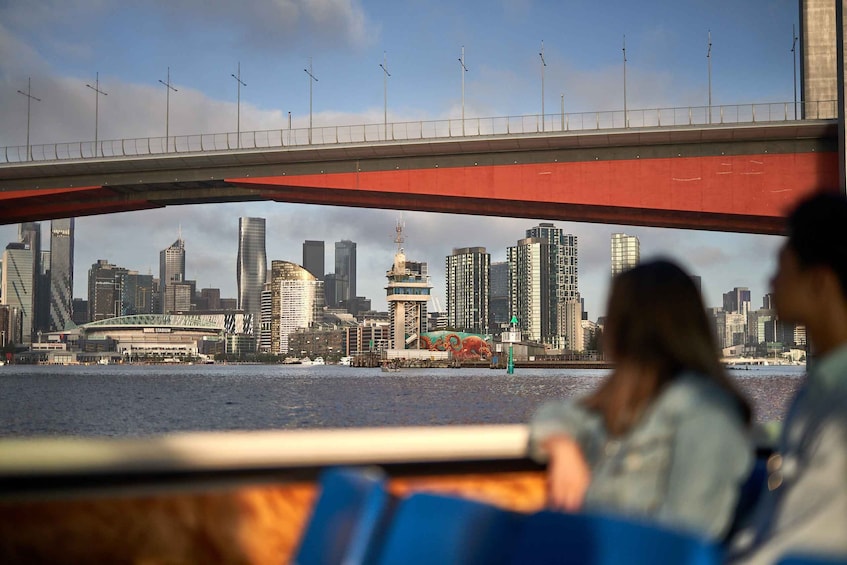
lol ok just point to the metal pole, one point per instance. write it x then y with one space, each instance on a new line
709 59
168 89
97 93
563 112
29 99
543 64
625 121
794 60
312 79
238 104
385 75
464 70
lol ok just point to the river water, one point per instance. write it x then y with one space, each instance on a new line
139 400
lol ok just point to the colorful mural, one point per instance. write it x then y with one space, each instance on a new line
461 345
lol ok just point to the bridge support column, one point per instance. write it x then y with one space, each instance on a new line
842 99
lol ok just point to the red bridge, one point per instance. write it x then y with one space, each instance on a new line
681 170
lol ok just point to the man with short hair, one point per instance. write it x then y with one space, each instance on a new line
805 510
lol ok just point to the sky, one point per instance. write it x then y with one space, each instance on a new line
64 45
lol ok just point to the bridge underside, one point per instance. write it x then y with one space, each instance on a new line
727 185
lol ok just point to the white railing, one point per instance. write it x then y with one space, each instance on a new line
422 130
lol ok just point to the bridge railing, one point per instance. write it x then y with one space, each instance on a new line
423 130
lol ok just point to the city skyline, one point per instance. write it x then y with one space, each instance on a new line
373 284
666 47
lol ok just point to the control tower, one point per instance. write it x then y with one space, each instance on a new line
408 292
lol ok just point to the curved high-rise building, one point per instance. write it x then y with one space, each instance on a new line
251 268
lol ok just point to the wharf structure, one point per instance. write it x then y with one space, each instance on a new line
408 291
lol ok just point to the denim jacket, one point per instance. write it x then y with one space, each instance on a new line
804 509
682 464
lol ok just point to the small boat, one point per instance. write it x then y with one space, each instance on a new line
390 366
346 361
318 361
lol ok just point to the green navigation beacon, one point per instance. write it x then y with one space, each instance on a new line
511 337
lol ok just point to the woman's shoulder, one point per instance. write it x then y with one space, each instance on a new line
694 391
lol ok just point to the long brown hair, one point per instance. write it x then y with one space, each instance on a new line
656 327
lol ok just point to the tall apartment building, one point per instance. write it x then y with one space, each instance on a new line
136 294
314 257
543 274
345 268
105 284
30 234
296 302
737 300
468 291
171 270
498 303
17 284
625 252
251 270
61 273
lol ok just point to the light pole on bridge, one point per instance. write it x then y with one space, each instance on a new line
97 93
238 103
794 61
625 120
312 79
168 88
464 70
385 75
29 99
709 59
543 64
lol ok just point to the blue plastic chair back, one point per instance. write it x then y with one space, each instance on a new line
346 517
433 529
549 537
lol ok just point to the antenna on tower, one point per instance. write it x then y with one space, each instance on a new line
398 237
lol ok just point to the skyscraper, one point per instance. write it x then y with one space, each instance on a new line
543 274
625 252
499 302
345 266
532 288
61 273
171 269
468 275
252 269
30 234
296 300
407 292
17 287
105 287
313 258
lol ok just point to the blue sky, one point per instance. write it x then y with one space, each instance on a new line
61 44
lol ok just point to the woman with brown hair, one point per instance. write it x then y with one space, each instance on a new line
664 437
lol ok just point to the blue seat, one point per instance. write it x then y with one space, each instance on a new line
549 537
347 514
434 529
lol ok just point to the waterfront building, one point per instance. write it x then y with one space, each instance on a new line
335 289
42 284
737 300
499 290
252 266
625 252
345 266
136 294
313 258
570 325
408 292
296 301
17 284
369 336
760 326
263 341
171 268
105 284
10 325
61 273
467 274
730 328
178 297
565 257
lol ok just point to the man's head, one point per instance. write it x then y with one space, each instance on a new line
813 261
